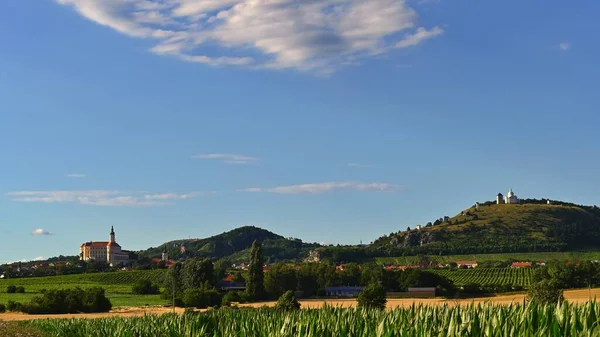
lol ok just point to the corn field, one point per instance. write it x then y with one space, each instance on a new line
423 321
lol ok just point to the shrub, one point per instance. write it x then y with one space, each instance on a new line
546 292
20 290
145 287
231 297
201 298
287 302
14 306
2 308
372 297
65 301
11 289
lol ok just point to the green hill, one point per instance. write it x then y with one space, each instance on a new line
532 226
235 245
491 228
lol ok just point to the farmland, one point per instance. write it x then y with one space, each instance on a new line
489 276
481 258
117 286
418 320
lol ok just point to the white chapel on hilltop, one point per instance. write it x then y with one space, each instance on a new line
510 198
109 252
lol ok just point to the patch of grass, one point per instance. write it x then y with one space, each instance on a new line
117 285
15 329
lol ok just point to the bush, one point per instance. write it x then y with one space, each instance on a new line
11 289
14 306
287 302
65 301
201 298
372 297
231 297
145 287
2 308
546 292
20 290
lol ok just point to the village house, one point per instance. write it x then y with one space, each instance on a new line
468 264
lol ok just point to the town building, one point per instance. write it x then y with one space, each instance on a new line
102 251
467 264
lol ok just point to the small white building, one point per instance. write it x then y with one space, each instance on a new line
511 198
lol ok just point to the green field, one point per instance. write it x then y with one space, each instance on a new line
488 276
417 321
117 285
545 257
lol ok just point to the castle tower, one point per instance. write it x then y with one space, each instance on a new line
112 235
499 199
165 256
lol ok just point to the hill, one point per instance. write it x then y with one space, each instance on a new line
532 226
235 246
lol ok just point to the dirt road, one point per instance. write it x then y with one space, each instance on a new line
573 296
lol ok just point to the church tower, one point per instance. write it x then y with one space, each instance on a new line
112 235
165 256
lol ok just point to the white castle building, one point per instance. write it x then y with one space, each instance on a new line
109 252
510 198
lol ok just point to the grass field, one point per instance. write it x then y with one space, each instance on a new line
117 285
546 257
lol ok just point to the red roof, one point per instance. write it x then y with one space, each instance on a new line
466 262
521 264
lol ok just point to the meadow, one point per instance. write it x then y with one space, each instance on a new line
117 285
473 320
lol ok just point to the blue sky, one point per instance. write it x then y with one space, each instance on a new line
329 120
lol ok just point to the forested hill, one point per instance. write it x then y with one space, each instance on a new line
235 245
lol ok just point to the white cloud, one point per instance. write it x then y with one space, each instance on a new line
76 175
564 46
228 158
419 36
315 35
320 188
102 197
41 232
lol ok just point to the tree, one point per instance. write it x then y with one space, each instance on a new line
196 272
350 276
372 297
287 302
201 298
546 292
255 283
145 287
279 279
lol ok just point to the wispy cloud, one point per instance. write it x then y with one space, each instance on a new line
564 46
226 158
41 232
102 197
76 175
358 165
309 35
419 36
326 187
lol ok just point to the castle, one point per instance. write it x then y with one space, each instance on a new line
510 198
109 252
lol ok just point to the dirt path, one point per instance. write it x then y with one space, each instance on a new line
118 312
573 296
